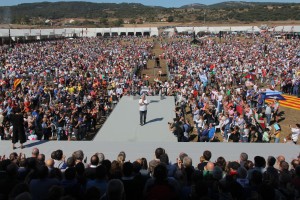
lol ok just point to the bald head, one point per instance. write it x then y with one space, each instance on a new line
280 159
35 152
210 166
50 163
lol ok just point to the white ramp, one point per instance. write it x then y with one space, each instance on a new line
123 124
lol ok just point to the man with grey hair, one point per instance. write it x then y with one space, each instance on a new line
101 157
78 156
187 161
243 158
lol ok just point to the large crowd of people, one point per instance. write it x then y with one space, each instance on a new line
60 89
68 178
223 85
63 87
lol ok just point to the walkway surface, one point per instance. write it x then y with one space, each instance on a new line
123 124
122 132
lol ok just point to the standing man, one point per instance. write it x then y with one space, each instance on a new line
17 121
143 109
268 113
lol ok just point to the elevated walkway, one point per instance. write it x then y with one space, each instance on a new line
122 132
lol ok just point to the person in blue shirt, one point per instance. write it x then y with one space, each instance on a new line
203 136
211 133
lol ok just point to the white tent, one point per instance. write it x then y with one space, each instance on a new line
80 32
185 29
169 31
285 29
217 29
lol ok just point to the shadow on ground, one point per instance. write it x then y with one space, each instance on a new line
155 120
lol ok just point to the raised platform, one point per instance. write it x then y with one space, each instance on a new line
230 151
122 132
123 124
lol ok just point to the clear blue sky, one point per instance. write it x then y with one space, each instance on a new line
164 3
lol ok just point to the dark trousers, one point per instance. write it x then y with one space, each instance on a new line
143 115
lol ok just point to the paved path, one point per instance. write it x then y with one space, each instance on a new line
123 124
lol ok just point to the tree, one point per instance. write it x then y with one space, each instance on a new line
132 21
103 21
170 19
118 23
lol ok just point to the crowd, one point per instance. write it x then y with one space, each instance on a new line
223 86
75 177
62 88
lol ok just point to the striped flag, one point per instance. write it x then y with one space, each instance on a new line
17 82
291 102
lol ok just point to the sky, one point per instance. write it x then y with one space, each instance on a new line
164 3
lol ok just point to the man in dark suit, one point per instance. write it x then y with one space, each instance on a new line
17 121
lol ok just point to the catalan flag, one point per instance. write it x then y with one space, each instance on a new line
17 82
290 102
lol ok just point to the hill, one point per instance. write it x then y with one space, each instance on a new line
113 14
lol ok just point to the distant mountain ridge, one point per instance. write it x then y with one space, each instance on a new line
113 14
194 5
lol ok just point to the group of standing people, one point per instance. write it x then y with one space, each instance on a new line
61 89
67 85
223 84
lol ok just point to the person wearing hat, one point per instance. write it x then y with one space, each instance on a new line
143 103
17 121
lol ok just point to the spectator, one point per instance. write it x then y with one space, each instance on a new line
59 161
100 181
39 188
115 191
153 163
90 171
207 156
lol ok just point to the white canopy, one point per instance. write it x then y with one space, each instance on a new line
217 29
68 32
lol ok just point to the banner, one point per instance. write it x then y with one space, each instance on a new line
203 78
17 82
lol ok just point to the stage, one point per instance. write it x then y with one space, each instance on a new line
230 151
122 132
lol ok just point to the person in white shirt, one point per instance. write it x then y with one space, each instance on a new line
143 103
268 113
295 133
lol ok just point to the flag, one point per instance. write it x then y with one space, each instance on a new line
17 82
203 78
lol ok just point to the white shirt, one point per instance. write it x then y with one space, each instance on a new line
268 110
144 103
295 134
119 91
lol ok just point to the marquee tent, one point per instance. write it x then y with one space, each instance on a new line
80 32
217 29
